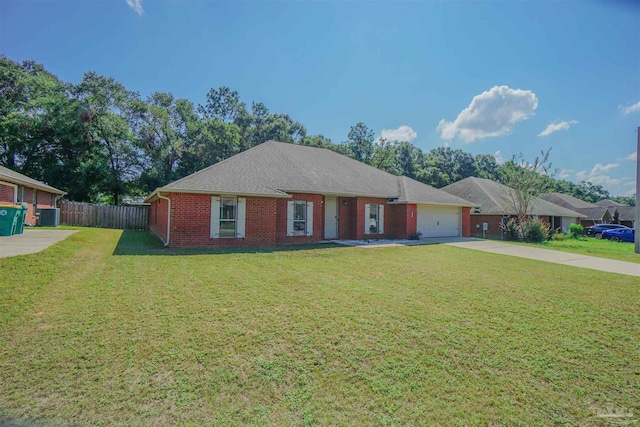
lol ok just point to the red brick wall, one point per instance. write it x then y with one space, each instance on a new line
7 194
158 217
266 220
400 221
396 226
191 222
43 200
466 222
494 222
360 220
318 220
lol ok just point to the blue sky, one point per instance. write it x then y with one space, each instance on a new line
486 77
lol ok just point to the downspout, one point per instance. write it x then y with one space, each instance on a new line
160 196
15 190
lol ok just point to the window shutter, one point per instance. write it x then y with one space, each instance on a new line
366 218
242 214
215 217
309 218
381 219
290 218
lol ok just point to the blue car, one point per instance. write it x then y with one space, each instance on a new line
620 235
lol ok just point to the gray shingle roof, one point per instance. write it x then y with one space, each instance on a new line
591 210
567 201
608 203
493 198
14 177
412 191
274 169
626 213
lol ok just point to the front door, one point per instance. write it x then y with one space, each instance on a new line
330 218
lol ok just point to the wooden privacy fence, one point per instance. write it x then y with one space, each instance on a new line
106 216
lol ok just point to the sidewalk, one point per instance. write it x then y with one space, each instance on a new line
31 241
549 255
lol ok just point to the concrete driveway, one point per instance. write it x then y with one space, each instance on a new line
549 255
31 241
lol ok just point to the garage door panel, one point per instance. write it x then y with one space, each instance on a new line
438 221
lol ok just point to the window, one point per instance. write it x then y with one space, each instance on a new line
373 218
228 212
299 218
228 217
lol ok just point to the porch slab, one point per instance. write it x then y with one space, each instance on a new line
31 241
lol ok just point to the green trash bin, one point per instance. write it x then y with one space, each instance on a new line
8 218
22 215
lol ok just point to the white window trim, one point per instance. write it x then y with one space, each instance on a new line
308 231
380 216
240 220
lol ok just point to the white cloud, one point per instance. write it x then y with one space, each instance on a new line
630 192
136 5
565 173
631 109
555 127
600 169
492 113
597 175
499 158
402 134
633 157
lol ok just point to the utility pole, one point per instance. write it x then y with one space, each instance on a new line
637 222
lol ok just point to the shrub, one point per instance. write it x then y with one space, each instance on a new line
511 230
576 231
560 236
415 236
534 231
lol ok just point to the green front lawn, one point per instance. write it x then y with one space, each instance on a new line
593 247
111 329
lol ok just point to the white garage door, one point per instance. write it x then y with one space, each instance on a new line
439 221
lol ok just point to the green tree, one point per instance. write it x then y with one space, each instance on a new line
443 166
224 104
209 141
163 135
359 143
486 166
408 159
111 115
41 134
527 181
624 200
384 156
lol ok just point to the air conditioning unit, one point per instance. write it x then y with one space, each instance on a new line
48 217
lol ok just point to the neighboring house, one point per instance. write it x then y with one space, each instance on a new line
494 207
593 213
18 188
626 214
278 193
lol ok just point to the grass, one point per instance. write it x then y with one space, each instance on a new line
107 328
603 248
